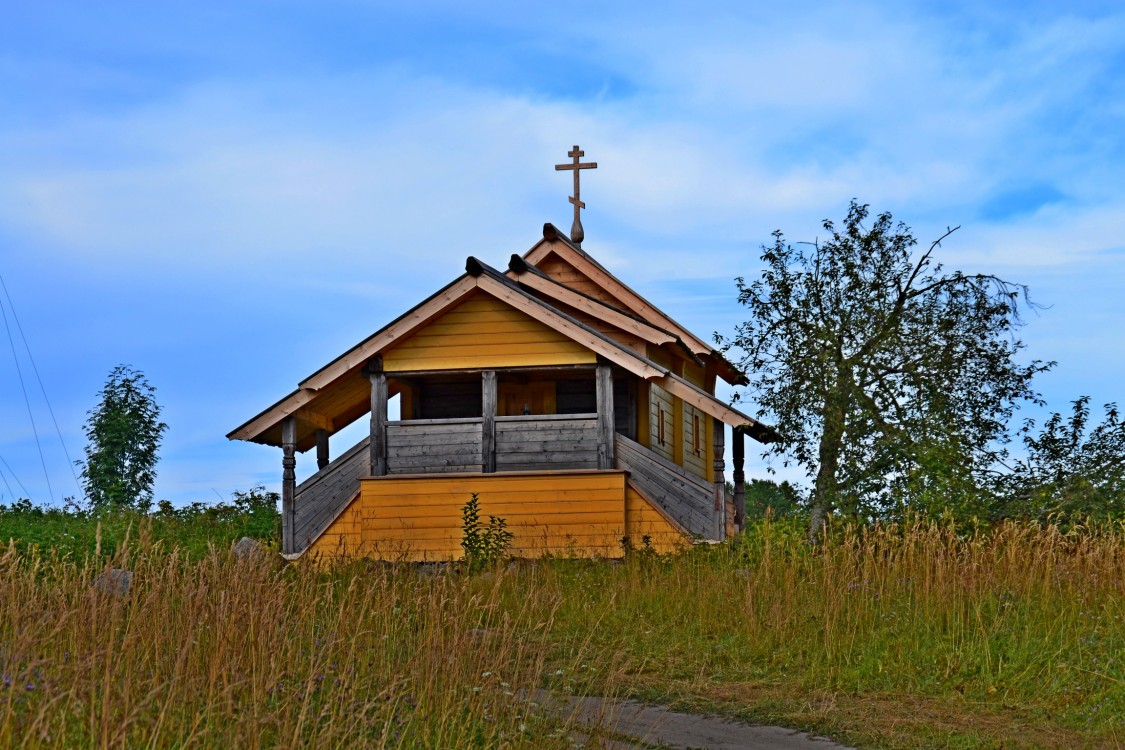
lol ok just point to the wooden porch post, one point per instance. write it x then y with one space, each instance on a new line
488 423
604 389
378 416
288 482
321 448
719 464
738 449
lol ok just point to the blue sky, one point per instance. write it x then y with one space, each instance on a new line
228 195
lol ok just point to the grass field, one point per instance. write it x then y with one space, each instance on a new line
888 637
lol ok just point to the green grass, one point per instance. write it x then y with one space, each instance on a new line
888 637
192 530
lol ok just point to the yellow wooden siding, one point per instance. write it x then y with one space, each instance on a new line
660 356
695 448
483 332
567 275
644 521
660 411
419 519
695 374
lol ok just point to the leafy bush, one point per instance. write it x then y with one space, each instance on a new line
193 529
484 545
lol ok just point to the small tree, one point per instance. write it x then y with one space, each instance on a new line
123 434
890 378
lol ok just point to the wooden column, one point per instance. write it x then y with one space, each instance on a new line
378 416
488 422
644 413
604 387
738 450
719 464
321 449
288 482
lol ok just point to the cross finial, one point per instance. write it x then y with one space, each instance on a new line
576 233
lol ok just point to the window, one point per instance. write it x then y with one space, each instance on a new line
660 425
696 439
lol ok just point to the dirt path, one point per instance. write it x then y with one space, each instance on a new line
639 725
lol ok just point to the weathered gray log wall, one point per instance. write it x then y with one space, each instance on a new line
547 441
682 495
321 497
434 446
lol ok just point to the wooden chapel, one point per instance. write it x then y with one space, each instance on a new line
574 408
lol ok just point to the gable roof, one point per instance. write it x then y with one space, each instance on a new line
531 277
556 243
334 395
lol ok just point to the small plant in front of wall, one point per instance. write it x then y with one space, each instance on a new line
484 545
646 551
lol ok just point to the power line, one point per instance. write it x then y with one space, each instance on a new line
35 369
9 468
5 478
27 401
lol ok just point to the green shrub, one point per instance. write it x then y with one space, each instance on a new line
484 545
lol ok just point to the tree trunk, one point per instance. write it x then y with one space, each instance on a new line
825 490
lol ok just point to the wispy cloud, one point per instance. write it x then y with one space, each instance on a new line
264 155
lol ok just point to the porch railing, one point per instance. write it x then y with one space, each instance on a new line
434 446
545 442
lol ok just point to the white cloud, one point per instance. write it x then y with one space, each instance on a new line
370 182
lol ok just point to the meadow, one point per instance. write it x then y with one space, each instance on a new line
919 635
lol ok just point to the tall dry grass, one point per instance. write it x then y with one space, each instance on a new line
219 653
1021 617
1021 620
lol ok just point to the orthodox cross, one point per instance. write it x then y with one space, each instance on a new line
576 233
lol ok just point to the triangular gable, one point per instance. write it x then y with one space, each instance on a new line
484 332
564 259
565 273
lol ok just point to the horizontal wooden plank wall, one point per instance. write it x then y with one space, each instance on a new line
321 497
418 519
644 523
567 275
547 442
483 332
434 446
680 494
